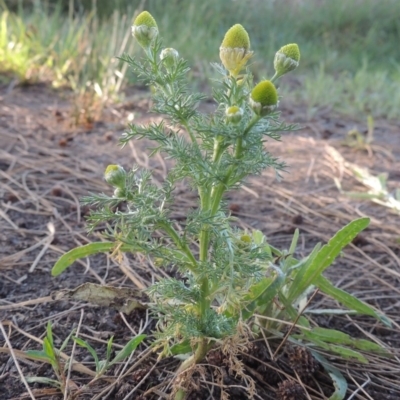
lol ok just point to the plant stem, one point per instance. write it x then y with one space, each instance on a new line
220 189
211 198
191 134
218 150
205 198
173 234
252 122
203 237
275 77
199 354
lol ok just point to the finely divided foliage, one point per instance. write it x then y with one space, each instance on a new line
230 279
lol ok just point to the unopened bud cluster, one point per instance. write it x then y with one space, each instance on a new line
145 29
264 98
234 114
115 175
235 49
234 53
169 57
287 59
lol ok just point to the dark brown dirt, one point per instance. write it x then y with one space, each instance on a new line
46 165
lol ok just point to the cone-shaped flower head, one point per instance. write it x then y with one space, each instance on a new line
263 98
169 56
235 49
287 59
233 114
145 29
115 175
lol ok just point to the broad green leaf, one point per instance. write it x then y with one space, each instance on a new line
338 337
349 300
291 312
297 265
300 267
329 311
339 382
128 349
271 290
309 274
87 250
343 352
262 293
91 350
181 348
258 289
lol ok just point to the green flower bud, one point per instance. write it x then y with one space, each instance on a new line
264 98
235 49
244 241
158 262
169 57
245 238
120 193
287 59
145 29
233 114
115 175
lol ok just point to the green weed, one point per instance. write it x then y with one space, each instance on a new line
51 355
236 284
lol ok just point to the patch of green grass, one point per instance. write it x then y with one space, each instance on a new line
359 94
17 47
344 34
349 49
69 50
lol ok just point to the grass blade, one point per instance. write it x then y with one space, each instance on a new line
49 334
65 342
109 349
44 380
48 349
39 355
91 350
129 348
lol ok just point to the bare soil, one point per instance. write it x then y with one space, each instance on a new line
47 164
